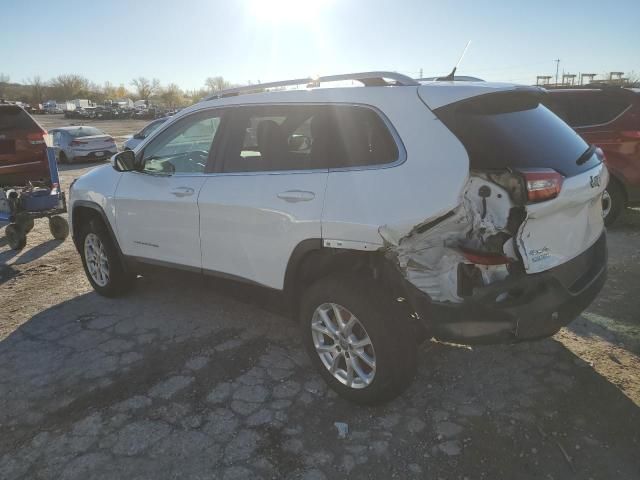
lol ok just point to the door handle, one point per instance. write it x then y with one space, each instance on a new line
294 196
182 191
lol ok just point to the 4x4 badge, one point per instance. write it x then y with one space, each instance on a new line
595 181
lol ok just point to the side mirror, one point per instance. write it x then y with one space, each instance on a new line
299 142
125 161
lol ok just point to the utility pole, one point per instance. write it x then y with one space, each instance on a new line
557 60
420 73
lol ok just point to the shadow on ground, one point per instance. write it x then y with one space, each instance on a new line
186 378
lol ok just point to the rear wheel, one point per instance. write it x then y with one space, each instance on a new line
63 158
356 340
613 202
16 236
101 261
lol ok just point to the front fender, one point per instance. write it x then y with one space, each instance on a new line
96 187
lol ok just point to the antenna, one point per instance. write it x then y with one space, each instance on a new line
451 77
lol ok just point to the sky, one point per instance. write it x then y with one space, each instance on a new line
186 41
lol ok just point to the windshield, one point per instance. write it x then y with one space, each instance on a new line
85 132
514 130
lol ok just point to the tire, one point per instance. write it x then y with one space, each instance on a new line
117 281
16 237
26 224
617 202
58 227
63 158
378 321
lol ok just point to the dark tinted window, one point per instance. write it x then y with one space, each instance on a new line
587 108
15 118
303 137
513 130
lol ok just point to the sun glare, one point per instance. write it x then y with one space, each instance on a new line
286 11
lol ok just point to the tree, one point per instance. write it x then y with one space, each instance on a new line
110 92
121 92
145 88
216 84
4 80
70 86
37 89
172 96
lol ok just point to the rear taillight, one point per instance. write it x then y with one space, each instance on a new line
77 142
36 138
632 134
542 184
485 258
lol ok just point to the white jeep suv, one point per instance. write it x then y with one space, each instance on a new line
385 213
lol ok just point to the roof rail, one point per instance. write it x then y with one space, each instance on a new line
368 79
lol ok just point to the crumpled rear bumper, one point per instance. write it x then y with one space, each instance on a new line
521 307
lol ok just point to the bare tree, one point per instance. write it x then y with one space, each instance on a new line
146 88
172 95
37 89
109 91
216 84
4 80
67 87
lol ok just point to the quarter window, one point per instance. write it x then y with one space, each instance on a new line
183 147
307 137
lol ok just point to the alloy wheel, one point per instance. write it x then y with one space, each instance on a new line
343 345
96 258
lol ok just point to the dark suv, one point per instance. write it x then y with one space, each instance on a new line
23 151
608 117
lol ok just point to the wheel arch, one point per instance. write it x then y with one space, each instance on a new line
311 261
83 211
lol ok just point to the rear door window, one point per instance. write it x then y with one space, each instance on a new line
514 130
307 137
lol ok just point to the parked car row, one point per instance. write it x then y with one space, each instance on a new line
115 112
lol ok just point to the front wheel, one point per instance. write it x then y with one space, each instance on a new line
356 339
101 261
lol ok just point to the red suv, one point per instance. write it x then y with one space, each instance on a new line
23 151
608 117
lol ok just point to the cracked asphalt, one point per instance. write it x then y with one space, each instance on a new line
193 378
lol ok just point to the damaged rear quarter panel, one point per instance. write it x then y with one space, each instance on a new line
429 257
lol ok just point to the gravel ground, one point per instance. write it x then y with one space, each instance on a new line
194 378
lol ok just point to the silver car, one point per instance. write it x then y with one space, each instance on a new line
82 143
137 138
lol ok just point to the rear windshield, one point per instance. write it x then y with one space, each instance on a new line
15 118
514 130
85 132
